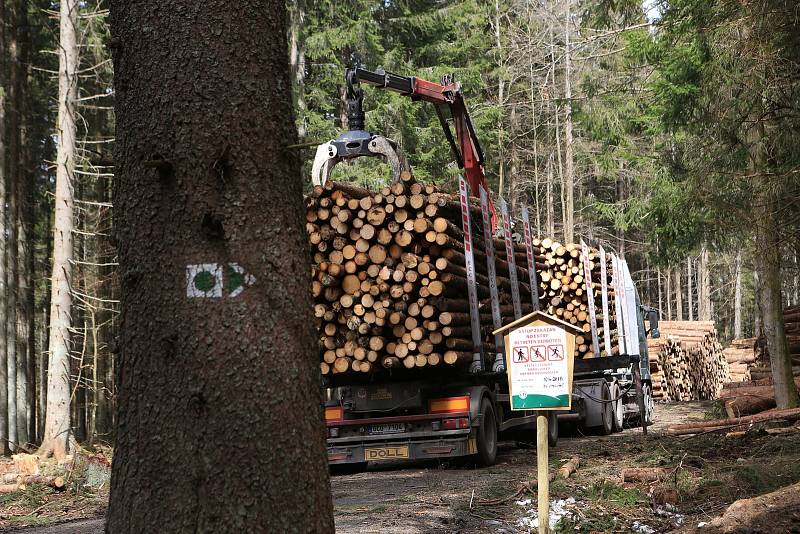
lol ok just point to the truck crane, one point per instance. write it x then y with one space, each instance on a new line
451 109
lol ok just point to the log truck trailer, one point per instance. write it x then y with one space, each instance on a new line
447 413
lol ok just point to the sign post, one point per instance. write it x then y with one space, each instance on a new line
540 355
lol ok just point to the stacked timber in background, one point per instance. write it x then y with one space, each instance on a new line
741 356
752 352
687 361
390 279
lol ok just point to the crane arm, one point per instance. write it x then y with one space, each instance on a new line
449 101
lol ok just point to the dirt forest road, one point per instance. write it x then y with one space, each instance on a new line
705 474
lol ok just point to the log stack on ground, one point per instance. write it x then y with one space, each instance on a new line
741 356
389 279
687 362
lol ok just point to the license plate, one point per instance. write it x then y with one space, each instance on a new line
386 453
392 428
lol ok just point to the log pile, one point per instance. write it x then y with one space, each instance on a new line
687 362
741 356
389 279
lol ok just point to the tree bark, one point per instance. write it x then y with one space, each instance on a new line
737 298
57 418
768 262
689 296
219 423
678 294
297 60
551 214
705 287
23 233
4 446
569 174
12 180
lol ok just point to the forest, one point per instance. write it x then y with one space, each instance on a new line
667 133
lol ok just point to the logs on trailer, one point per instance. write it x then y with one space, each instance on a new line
389 279
687 362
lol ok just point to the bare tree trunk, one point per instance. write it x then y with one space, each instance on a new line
768 262
569 174
669 295
705 286
737 298
501 86
689 296
678 294
198 367
12 259
297 60
4 426
57 419
551 211
621 192
24 234
660 301
41 355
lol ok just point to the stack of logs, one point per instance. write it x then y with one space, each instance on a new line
749 358
389 278
687 361
741 356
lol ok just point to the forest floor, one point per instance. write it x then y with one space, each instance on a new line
705 475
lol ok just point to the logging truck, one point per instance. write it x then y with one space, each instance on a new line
409 285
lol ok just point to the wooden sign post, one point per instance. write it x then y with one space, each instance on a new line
540 354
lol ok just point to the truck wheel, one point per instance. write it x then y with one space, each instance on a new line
607 410
552 428
487 434
619 411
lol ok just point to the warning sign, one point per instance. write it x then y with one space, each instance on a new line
539 368
520 354
555 353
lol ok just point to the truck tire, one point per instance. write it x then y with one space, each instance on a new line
607 410
347 469
619 410
552 428
487 434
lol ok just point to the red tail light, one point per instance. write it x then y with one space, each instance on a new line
455 424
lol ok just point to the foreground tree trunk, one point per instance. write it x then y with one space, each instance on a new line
219 424
57 418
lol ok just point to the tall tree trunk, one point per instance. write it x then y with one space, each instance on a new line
23 186
621 193
689 296
4 426
42 352
501 86
768 262
705 286
103 317
193 205
297 61
737 297
569 171
660 298
12 258
669 296
57 419
678 294
551 211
